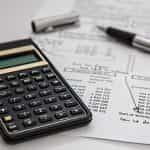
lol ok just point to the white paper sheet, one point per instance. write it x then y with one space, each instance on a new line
112 79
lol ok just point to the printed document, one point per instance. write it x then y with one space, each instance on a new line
111 78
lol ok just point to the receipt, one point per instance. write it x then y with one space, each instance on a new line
111 78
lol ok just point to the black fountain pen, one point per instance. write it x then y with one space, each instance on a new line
128 38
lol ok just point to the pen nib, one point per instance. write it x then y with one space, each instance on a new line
101 28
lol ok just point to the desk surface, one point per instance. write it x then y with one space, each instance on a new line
15 23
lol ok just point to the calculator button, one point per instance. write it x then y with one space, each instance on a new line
19 107
45 93
24 114
19 90
55 107
5 93
14 83
1 80
65 96
35 103
60 115
29 122
40 111
27 81
55 82
11 126
38 78
3 86
70 103
50 100
59 89
10 77
22 75
7 118
45 118
14 100
43 85
46 69
50 76
1 103
31 87
30 96
35 72
76 111
3 110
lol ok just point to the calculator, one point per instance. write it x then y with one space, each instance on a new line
34 97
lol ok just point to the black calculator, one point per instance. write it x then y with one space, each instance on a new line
34 97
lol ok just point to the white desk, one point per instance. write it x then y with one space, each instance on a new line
15 18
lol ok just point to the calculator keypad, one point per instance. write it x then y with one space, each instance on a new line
35 97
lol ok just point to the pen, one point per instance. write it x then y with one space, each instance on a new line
128 38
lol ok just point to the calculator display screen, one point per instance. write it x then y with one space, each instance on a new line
18 59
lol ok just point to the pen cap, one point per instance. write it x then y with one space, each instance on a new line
42 24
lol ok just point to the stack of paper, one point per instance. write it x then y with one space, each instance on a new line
112 79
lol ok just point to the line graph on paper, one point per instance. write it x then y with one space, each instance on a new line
143 97
140 98
136 107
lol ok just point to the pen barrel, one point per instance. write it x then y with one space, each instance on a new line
120 35
142 43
